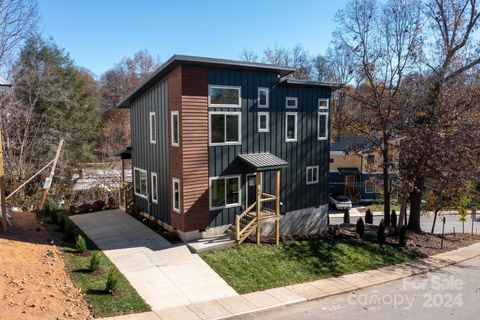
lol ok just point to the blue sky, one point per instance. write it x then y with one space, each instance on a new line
98 34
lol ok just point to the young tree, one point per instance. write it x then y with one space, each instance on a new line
383 41
248 55
297 58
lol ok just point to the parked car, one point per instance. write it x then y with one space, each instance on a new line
339 202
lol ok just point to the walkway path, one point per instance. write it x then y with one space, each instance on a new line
164 275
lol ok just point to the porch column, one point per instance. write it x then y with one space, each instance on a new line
277 208
259 204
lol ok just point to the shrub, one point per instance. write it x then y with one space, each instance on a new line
360 227
70 232
403 237
368 217
98 205
112 282
53 213
346 216
95 262
80 244
393 219
62 222
381 232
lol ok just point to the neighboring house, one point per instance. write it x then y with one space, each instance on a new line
4 85
204 129
355 169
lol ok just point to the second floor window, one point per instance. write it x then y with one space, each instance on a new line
224 96
175 129
322 125
291 103
263 97
153 127
291 127
225 128
263 121
371 159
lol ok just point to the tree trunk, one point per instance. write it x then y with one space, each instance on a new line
416 205
386 183
402 220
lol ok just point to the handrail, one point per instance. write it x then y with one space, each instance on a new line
246 211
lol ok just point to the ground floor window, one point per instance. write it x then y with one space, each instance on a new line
154 187
224 192
312 174
140 182
370 187
176 195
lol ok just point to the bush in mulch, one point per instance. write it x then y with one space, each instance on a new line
381 232
85 208
346 216
111 286
368 217
80 244
98 205
360 227
393 219
70 232
94 265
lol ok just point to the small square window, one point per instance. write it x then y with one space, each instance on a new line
263 121
291 103
371 159
312 174
263 97
323 104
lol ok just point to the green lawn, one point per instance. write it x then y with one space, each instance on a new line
102 304
251 267
379 207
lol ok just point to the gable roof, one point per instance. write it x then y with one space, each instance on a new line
177 60
351 143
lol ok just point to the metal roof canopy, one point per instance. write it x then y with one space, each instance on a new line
349 171
177 60
310 83
263 161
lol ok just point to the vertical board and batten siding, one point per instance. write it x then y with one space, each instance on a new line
307 151
152 157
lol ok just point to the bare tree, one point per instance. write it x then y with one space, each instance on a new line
248 55
297 58
383 41
18 20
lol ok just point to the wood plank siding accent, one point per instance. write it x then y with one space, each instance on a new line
188 88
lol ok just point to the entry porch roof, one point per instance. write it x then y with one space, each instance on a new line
263 161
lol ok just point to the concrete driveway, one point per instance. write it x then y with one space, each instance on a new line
164 275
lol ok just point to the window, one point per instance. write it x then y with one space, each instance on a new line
263 97
154 182
322 125
291 103
312 175
224 96
175 129
224 128
224 192
370 187
153 127
176 195
323 104
370 159
331 160
263 121
291 127
140 182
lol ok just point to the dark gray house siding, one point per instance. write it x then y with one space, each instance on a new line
307 151
152 157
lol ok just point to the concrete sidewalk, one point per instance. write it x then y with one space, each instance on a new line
262 300
163 274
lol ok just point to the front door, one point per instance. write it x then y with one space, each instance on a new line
251 189
350 185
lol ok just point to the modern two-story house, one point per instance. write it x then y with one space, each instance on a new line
220 143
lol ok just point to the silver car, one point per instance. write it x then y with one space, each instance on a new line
339 202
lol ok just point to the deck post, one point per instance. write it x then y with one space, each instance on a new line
123 201
237 228
259 204
277 207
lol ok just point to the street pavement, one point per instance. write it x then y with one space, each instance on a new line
426 221
449 293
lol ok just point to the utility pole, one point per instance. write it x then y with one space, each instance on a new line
2 186
48 181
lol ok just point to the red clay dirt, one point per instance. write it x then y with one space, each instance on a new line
33 280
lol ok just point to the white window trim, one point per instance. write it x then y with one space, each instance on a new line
212 144
144 196
154 174
238 105
326 125
232 205
172 114
374 188
312 168
286 126
175 180
267 129
265 106
324 108
291 98
153 138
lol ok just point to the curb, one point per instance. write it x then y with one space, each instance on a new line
283 296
